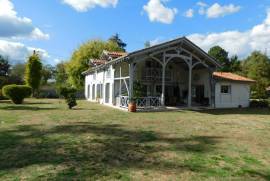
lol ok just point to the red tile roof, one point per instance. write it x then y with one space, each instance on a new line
231 76
116 54
98 61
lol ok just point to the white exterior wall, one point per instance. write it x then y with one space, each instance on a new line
201 77
105 77
239 96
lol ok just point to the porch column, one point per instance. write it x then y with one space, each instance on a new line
96 83
210 89
131 79
190 84
112 97
120 81
163 85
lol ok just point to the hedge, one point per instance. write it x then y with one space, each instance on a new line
259 103
17 93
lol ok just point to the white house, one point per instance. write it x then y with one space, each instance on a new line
176 73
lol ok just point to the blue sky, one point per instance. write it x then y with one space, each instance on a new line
57 27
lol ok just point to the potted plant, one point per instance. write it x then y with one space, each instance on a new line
132 107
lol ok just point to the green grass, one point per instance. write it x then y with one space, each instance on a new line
43 140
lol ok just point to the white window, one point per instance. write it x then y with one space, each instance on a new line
225 89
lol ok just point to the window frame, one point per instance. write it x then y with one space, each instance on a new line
229 87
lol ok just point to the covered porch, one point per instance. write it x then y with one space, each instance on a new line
176 74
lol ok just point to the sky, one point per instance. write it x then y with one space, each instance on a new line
55 28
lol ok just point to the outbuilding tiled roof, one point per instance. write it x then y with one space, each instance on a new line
231 76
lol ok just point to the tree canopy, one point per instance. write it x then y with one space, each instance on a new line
116 39
4 66
79 61
232 64
257 67
61 75
222 56
48 72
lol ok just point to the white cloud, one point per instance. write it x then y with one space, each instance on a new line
18 52
37 34
157 41
84 5
157 12
237 42
13 26
216 10
189 13
202 6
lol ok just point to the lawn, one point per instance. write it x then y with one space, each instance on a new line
43 140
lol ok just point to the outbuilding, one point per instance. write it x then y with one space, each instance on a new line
231 90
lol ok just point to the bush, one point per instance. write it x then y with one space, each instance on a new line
1 95
17 93
69 94
259 103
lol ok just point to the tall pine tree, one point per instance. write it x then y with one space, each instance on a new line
116 39
33 73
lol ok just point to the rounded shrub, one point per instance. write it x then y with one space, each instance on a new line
17 93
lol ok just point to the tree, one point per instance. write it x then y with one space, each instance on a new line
61 75
33 73
222 56
147 44
235 64
69 93
17 73
116 39
48 72
4 66
80 59
257 67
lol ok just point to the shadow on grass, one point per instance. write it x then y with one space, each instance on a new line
234 111
250 111
25 108
97 151
92 150
37 103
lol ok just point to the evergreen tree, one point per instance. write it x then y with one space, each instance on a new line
222 56
235 64
116 39
33 73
